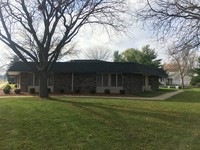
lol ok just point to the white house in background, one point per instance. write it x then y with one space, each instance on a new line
174 77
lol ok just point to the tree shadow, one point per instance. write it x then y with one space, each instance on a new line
116 113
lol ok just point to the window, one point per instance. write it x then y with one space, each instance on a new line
102 80
116 80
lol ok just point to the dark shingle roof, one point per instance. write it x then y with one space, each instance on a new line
87 66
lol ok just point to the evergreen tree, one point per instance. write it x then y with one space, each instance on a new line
146 56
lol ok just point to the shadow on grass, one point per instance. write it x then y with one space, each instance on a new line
113 112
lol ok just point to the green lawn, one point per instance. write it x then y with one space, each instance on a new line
156 93
80 123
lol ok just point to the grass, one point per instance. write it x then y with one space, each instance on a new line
80 123
156 93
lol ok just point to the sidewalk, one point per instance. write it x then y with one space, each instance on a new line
167 95
160 97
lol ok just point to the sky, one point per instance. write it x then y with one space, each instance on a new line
137 38
88 38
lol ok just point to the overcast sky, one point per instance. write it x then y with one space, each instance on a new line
137 38
87 38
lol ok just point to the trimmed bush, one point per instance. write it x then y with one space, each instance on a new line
15 85
62 91
17 91
107 91
7 89
32 90
122 91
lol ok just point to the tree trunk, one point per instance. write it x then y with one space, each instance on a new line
43 85
182 83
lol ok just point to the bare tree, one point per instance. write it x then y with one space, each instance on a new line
98 53
40 29
175 19
183 60
69 51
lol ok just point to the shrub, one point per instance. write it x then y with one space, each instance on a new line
15 85
32 90
49 90
92 91
62 91
17 91
6 91
122 91
7 87
195 80
107 91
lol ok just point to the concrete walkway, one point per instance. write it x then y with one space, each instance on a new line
167 95
160 97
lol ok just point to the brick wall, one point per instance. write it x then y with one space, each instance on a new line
24 82
155 83
62 81
132 83
85 82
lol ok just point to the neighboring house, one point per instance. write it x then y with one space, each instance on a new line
174 77
87 75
